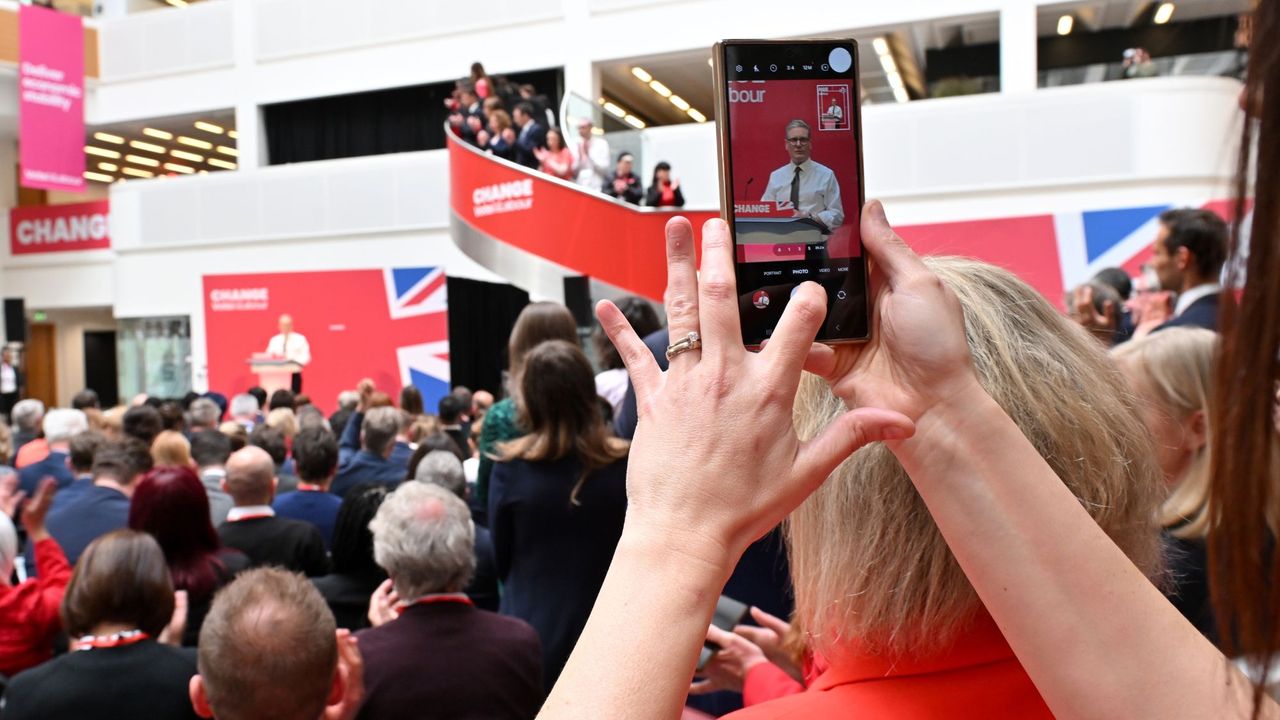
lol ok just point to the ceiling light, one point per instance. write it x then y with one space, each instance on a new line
697 116
1163 13
109 167
162 134
634 122
137 173
228 151
597 131
202 171
108 137
218 162
97 177
101 152
881 45
641 74
900 94
889 64
177 3
209 127
1065 24
184 155
233 134
895 81
661 89
679 102
140 160
179 168
193 142
614 110
149 147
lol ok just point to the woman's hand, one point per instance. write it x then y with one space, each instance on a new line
728 667
769 637
716 462
382 604
172 633
917 356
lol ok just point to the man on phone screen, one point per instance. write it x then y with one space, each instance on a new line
803 186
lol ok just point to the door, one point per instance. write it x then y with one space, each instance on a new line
42 370
100 366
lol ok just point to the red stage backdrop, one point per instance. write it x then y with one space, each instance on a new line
51 99
390 325
58 228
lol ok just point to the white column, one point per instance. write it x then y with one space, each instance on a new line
581 77
1018 60
249 129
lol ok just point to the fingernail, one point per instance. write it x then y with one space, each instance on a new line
876 208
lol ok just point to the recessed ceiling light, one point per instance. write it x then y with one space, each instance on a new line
614 110
233 134
108 137
149 147
137 173
228 151
101 152
659 88
218 162
641 74
109 167
1065 24
209 127
697 116
179 168
881 45
1163 13
679 102
97 177
634 122
140 160
194 142
184 155
161 134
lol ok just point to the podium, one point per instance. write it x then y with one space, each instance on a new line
273 373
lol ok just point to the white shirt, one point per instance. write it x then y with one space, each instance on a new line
292 347
590 167
1194 294
835 112
612 386
239 513
8 379
819 191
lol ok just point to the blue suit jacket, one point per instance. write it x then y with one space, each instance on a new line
1202 313
54 465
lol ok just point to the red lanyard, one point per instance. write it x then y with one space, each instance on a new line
99 642
433 599
308 487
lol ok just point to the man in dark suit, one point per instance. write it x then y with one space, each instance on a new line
315 451
1188 255
450 410
365 449
532 135
252 526
60 425
441 652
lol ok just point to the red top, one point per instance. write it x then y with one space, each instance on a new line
978 677
29 611
766 682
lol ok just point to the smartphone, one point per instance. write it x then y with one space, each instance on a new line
729 614
789 128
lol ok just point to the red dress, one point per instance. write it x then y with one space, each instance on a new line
976 678
29 611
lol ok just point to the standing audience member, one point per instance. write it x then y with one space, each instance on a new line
261 396
590 156
347 402
170 505
252 526
117 610
611 381
450 410
355 575
60 425
366 445
285 420
10 383
171 449
314 671
440 467
86 399
623 183
1189 252
280 399
556 159
172 416
210 450
411 400
531 135
481 401
315 451
440 652
536 323
29 609
402 449
204 414
80 452
92 512
663 191
499 138
560 492
144 423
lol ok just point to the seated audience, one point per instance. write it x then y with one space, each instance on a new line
285 420
236 433
315 672
411 400
27 416
316 453
210 450
171 449
144 423
60 425
664 191
440 652
116 610
86 399
347 402
273 441
556 159
442 468
244 410
424 426
366 445
310 416
172 416
611 381
29 618
622 183
558 492
203 414
261 396
450 410
80 452
252 526
103 506
355 575
280 399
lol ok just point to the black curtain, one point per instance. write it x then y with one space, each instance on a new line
481 316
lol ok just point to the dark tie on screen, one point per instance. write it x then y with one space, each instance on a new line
795 189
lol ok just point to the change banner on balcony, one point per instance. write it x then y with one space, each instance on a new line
50 99
390 325
59 228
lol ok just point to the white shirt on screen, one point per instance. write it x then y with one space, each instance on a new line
835 112
293 346
592 164
819 191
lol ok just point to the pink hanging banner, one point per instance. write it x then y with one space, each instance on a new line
51 99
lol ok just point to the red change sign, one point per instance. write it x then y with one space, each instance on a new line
59 228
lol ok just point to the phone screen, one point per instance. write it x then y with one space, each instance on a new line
791 180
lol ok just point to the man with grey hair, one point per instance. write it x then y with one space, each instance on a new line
441 467
60 425
203 414
806 188
26 417
252 526
364 452
441 652
244 410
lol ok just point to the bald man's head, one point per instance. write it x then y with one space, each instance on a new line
251 476
286 323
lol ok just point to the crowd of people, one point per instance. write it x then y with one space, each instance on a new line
516 123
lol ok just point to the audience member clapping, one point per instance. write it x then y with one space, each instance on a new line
590 156
430 648
664 191
252 526
29 609
555 159
367 444
355 575
498 137
623 183
531 135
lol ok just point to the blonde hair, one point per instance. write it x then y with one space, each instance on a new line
870 567
284 420
1177 366
170 449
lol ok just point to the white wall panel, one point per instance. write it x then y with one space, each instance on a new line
165 43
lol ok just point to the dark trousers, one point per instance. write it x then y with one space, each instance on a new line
297 383
7 401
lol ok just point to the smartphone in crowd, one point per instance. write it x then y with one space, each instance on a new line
789 130
729 614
